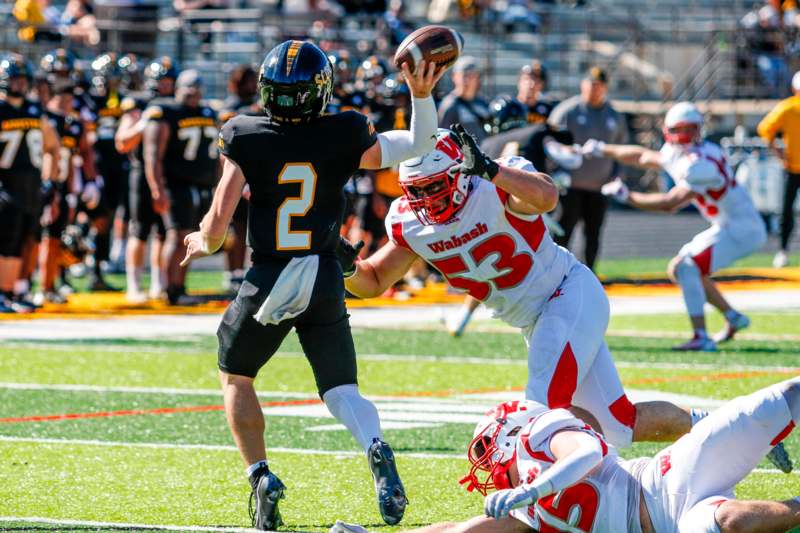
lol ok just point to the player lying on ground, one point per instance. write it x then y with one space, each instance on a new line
553 473
478 222
296 162
703 177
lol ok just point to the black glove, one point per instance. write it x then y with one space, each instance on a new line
476 163
347 253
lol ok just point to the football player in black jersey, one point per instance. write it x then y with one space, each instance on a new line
296 161
28 155
106 95
71 125
181 167
160 76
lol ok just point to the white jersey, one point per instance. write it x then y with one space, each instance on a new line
605 501
719 199
506 260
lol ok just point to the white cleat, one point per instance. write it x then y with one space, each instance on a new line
136 297
781 259
697 344
731 328
344 527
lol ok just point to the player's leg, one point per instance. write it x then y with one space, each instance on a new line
594 213
245 346
457 322
622 422
723 515
478 524
11 221
729 248
566 338
727 445
570 213
183 200
324 333
787 219
687 270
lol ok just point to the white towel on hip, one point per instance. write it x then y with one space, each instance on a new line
291 293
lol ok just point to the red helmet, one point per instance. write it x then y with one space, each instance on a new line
434 192
686 117
494 444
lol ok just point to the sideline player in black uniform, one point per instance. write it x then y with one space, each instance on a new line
296 162
107 98
28 155
160 76
181 165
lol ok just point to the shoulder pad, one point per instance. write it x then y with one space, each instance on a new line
539 431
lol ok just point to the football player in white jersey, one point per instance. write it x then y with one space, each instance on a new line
703 177
552 473
479 223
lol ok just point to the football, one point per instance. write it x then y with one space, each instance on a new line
439 44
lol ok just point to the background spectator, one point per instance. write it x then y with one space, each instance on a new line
785 119
463 104
586 116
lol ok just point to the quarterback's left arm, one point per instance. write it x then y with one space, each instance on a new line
394 147
577 454
214 225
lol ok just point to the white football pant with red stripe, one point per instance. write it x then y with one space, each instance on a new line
569 362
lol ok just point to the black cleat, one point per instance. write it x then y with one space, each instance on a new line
263 506
780 458
392 499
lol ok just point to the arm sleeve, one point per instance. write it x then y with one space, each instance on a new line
569 470
770 125
515 161
399 145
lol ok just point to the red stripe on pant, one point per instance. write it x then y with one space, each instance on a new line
564 381
703 261
783 434
624 411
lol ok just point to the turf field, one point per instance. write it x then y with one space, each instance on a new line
132 431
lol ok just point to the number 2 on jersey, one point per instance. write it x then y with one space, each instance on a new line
295 206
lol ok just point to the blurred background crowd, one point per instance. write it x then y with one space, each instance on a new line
582 69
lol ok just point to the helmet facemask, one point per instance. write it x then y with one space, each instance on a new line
682 133
433 186
485 456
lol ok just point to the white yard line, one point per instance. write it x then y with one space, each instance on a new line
298 451
117 525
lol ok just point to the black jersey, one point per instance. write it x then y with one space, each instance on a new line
108 110
191 155
20 149
70 129
296 175
527 142
539 112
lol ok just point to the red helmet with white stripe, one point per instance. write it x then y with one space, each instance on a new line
434 192
683 124
494 444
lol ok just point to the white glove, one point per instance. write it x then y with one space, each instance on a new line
90 195
499 504
617 190
344 527
593 148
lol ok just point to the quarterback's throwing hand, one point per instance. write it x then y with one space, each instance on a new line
347 253
617 190
475 163
499 504
422 81
195 247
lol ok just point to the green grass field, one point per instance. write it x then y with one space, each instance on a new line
147 442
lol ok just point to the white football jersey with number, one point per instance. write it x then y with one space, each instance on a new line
506 260
605 501
720 199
